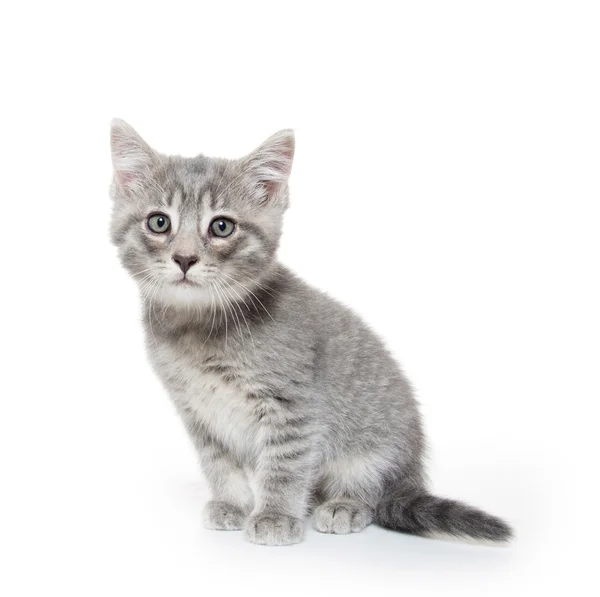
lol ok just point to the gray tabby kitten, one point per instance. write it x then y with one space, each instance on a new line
292 402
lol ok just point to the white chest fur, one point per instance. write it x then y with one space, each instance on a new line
220 405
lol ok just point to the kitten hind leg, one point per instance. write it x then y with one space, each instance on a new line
350 489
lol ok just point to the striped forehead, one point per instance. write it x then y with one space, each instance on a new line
187 200
192 192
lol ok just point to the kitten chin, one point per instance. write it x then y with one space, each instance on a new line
185 295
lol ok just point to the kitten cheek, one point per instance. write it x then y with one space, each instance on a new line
222 248
155 245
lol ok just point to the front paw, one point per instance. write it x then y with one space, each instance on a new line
270 528
221 516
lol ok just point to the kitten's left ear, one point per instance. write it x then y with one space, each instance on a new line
133 159
271 163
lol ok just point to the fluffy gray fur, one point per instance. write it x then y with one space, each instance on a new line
292 401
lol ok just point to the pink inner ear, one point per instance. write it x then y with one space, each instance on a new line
289 156
127 181
280 169
132 157
125 178
270 187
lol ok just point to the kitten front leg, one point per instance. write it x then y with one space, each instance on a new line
283 482
232 498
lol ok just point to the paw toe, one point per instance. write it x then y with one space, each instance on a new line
341 518
274 529
221 516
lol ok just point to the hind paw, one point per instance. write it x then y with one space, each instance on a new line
342 517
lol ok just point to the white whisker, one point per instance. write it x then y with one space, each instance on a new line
232 289
231 310
252 293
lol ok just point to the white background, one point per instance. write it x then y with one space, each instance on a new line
446 186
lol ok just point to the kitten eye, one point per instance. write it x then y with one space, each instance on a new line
222 227
159 223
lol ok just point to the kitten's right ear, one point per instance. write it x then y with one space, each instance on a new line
132 157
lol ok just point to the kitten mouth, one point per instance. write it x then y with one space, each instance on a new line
185 282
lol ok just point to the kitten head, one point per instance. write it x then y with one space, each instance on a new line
191 229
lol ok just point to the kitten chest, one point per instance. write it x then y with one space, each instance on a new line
202 385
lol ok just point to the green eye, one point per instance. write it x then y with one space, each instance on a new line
222 227
159 223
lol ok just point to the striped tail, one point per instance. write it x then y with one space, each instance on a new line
413 510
